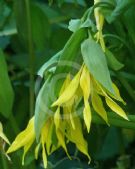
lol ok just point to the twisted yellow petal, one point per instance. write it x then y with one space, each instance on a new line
23 138
26 149
116 108
112 104
85 86
36 151
61 139
117 93
98 106
57 118
76 136
49 139
65 84
69 92
44 156
44 135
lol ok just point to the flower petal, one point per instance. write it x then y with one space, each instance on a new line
57 118
116 108
117 92
87 115
85 86
69 92
72 120
85 82
49 139
76 136
44 156
26 149
61 140
36 151
65 84
98 106
24 137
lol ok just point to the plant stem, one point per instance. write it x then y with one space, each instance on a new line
116 121
31 56
4 162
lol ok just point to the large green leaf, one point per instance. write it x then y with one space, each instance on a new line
69 55
95 60
6 91
39 24
42 108
70 51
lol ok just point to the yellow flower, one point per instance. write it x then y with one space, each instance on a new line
99 23
91 92
66 125
24 139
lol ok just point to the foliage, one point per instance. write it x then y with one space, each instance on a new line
31 33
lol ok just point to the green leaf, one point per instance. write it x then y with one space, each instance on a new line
39 22
129 23
71 50
6 91
121 7
109 143
95 60
42 107
112 61
74 24
69 55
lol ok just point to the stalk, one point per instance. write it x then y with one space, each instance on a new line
117 122
31 57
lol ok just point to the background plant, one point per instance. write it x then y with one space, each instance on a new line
31 32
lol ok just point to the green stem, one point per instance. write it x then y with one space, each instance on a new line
116 121
31 56
4 162
114 115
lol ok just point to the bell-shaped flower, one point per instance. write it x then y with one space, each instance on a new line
91 93
24 139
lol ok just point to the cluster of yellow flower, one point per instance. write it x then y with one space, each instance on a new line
66 122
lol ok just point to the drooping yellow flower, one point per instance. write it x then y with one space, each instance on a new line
68 126
24 139
91 92
85 86
99 23
65 122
